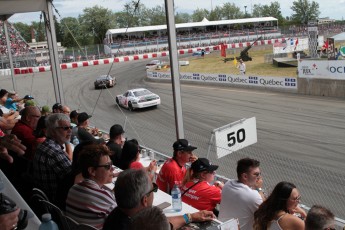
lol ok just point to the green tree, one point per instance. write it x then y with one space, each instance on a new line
70 30
24 30
182 18
155 15
304 11
216 14
199 14
272 10
95 22
231 11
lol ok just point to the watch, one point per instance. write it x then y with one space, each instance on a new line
259 189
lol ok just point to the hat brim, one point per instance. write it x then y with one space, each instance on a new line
189 148
212 168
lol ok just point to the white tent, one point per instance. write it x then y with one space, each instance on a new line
339 37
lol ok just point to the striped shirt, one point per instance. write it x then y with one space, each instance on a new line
50 166
88 203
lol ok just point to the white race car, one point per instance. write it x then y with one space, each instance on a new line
138 98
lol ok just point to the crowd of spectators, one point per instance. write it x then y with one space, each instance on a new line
18 44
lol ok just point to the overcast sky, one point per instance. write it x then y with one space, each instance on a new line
72 8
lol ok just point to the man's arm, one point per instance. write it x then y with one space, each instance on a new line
179 221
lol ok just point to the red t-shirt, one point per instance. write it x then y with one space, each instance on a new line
136 165
170 173
25 134
202 196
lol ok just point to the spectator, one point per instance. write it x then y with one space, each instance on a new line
39 133
319 218
197 190
50 163
134 192
116 143
158 220
174 169
83 125
242 197
66 110
242 67
57 108
9 221
45 111
12 100
74 118
25 127
8 121
276 212
3 99
90 202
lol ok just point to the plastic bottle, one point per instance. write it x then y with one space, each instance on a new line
75 141
48 223
176 197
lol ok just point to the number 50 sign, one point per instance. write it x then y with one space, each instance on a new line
235 136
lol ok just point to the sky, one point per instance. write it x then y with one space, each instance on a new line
72 8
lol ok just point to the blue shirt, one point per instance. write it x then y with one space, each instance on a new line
10 104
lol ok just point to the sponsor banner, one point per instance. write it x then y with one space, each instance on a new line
245 80
323 69
290 46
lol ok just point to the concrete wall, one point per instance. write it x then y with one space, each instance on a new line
321 87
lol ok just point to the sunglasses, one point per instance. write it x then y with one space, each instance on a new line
154 189
106 166
65 127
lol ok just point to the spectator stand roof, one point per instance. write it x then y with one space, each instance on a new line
203 23
339 37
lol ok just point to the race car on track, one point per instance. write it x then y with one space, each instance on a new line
105 81
138 98
153 63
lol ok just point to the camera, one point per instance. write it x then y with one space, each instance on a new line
7 206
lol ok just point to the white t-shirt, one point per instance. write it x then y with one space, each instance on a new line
239 201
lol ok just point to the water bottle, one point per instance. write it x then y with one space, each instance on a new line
176 197
48 223
75 141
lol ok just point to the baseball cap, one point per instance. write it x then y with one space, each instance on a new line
28 97
57 106
73 114
203 164
11 92
83 117
46 109
183 145
116 130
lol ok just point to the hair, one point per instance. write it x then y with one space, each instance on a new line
77 150
52 122
319 218
156 217
130 187
275 202
90 156
129 153
41 126
190 175
27 111
113 132
245 164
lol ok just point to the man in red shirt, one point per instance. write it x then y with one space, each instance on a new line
25 127
174 169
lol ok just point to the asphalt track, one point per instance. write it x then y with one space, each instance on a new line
301 139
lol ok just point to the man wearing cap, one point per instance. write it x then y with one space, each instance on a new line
57 108
12 100
74 118
197 189
83 134
116 143
174 169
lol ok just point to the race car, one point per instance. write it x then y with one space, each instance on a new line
138 98
104 81
153 63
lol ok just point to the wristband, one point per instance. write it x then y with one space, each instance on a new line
189 217
259 189
186 218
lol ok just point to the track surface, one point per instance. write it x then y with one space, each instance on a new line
300 138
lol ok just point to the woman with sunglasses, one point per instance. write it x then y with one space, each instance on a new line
90 202
197 189
278 211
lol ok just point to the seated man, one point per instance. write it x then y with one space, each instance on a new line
50 163
90 202
319 218
116 142
83 125
174 169
134 192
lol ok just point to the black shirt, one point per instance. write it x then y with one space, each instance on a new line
117 150
117 220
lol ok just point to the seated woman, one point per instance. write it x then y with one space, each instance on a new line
277 211
196 188
131 155
90 201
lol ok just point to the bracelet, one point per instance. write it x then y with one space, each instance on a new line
189 217
259 189
186 218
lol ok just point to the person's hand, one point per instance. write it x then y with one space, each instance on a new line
300 211
153 166
193 158
10 142
259 182
9 221
219 184
202 216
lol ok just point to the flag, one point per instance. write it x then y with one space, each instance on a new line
235 61
342 51
296 44
223 50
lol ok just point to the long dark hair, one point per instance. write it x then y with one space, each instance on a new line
274 203
129 154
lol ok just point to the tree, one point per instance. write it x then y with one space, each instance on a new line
231 11
182 18
155 15
95 22
272 10
199 14
216 14
24 30
70 31
304 11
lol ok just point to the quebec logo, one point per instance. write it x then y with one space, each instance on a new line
154 74
290 82
221 77
253 80
196 74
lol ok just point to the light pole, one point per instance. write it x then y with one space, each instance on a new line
245 11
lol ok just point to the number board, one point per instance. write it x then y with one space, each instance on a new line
235 137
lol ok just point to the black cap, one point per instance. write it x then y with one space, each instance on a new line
57 106
203 164
73 114
183 145
3 92
83 117
116 130
28 97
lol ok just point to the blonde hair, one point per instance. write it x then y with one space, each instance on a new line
190 175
